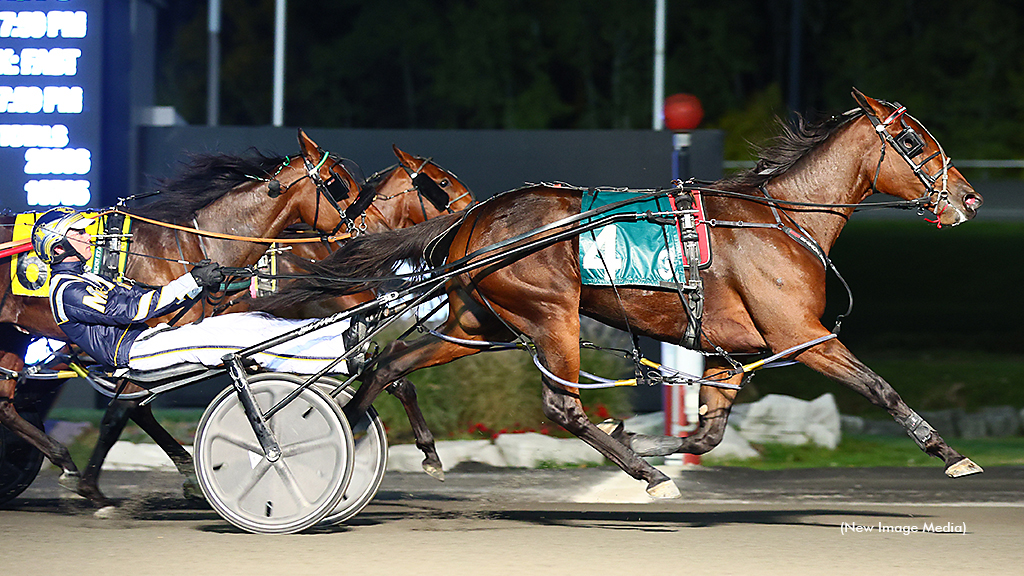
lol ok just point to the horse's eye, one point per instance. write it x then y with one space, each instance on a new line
444 183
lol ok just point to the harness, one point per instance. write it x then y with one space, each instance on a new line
691 290
110 252
908 145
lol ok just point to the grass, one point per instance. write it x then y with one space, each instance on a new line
917 288
181 423
486 394
934 316
853 450
876 451
927 380
501 391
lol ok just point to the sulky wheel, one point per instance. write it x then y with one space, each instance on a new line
19 461
298 490
371 458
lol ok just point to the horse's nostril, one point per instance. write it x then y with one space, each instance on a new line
972 201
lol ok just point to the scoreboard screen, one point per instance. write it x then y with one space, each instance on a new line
50 110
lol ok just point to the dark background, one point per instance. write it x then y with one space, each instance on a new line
575 64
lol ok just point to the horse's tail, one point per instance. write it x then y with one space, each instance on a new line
364 263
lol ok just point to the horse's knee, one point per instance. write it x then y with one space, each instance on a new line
566 411
7 411
403 389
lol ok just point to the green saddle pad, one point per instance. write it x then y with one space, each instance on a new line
633 253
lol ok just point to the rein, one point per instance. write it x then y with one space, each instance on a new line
357 208
804 238
221 236
814 206
274 190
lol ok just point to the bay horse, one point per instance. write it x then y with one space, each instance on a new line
403 199
772 229
244 197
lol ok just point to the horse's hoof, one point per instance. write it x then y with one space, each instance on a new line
106 513
434 470
191 490
69 480
90 492
664 490
964 467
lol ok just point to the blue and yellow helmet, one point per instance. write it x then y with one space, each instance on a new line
51 229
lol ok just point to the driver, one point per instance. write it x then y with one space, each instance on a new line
107 319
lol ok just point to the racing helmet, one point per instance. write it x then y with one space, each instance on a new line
50 231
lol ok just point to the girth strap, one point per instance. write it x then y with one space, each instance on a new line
692 291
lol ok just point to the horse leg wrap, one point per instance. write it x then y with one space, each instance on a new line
917 428
642 444
69 479
615 428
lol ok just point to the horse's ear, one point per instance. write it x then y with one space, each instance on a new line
309 149
403 158
869 104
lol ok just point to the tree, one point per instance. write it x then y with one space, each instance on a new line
517 64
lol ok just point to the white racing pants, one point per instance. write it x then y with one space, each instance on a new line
209 340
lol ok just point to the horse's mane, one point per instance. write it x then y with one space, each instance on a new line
204 179
797 138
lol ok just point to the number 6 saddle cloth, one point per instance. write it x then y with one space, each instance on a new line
31 277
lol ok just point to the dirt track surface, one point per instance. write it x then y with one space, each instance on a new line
592 521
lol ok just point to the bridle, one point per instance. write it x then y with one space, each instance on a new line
334 189
909 144
426 187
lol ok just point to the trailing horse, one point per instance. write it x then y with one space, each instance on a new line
764 292
229 197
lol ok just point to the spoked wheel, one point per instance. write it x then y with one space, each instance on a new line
371 458
298 490
19 461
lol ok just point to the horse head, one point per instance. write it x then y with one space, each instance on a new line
438 191
913 165
330 182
